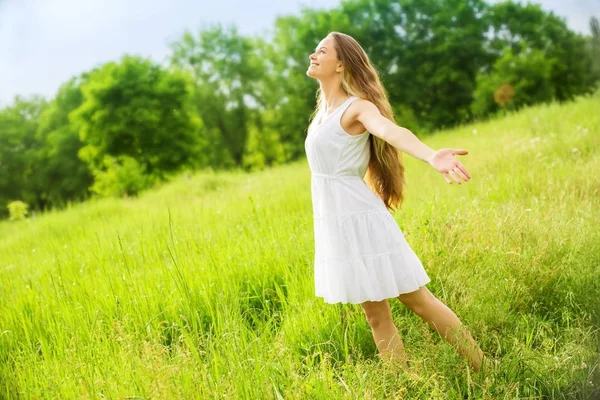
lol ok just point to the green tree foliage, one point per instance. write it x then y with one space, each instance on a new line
17 210
428 53
227 73
19 150
121 176
228 100
263 147
61 175
514 24
527 72
138 109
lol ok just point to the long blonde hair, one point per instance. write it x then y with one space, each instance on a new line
385 172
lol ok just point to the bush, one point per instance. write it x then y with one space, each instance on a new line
516 80
122 176
17 210
263 146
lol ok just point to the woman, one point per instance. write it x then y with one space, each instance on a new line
361 255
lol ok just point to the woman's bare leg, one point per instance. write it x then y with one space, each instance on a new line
385 333
441 318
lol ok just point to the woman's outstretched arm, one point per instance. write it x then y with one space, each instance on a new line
442 160
401 138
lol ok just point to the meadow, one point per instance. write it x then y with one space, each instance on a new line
203 288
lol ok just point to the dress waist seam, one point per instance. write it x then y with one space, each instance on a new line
350 214
327 176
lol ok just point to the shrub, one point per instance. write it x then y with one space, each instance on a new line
17 210
122 175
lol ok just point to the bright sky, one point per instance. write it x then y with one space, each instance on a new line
43 43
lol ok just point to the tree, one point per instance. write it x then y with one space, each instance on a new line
428 53
528 73
227 73
263 147
514 24
19 148
61 175
138 109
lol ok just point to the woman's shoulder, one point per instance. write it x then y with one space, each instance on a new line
360 104
362 101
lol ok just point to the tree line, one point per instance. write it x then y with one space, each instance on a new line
225 100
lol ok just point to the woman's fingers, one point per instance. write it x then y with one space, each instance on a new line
456 174
463 169
445 175
453 175
460 173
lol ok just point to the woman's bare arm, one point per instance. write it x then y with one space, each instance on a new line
401 138
442 160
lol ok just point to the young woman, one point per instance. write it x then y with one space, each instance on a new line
361 255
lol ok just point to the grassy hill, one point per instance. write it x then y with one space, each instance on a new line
204 287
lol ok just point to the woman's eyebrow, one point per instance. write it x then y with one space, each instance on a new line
322 47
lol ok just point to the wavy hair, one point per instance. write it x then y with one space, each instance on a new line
385 171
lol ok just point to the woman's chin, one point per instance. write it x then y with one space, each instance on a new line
310 73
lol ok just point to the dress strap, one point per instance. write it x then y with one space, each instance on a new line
344 106
338 111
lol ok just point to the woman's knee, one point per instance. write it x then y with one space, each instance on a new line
377 312
418 301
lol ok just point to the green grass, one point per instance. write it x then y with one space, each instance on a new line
204 288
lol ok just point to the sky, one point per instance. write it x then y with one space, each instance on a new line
43 43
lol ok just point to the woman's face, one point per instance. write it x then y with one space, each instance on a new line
324 62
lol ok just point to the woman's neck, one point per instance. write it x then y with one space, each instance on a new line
333 94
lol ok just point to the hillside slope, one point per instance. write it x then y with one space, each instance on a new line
204 287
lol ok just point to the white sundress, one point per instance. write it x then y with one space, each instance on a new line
360 252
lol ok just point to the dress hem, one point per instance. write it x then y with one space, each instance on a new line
384 297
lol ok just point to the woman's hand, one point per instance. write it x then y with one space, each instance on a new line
444 162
